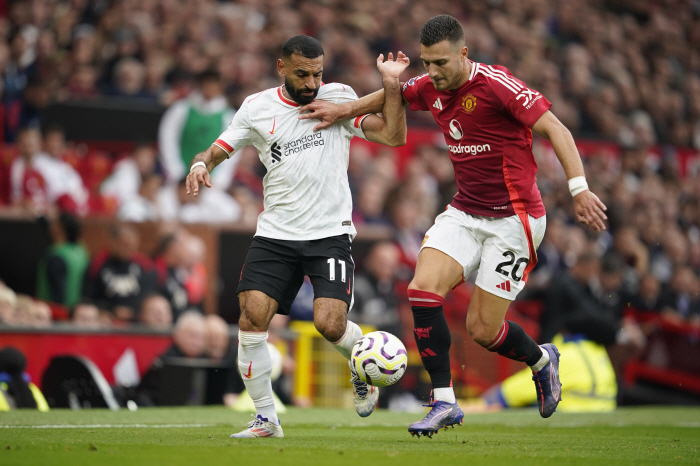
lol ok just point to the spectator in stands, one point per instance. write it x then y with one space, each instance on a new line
124 183
120 277
156 312
31 313
409 233
8 305
190 125
370 203
211 206
197 279
587 300
62 268
17 71
171 262
219 348
129 81
571 296
188 342
86 315
143 207
62 185
647 298
376 299
82 83
681 300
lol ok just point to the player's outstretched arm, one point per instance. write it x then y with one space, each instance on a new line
589 209
330 113
202 164
390 128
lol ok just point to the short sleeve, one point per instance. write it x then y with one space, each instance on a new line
237 135
522 103
411 93
354 126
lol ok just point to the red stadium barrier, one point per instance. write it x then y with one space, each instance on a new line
102 348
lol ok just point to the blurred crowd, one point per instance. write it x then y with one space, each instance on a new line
619 68
117 286
623 71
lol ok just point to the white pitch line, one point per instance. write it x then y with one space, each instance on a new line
107 426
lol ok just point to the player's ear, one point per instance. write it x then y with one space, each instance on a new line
280 68
465 52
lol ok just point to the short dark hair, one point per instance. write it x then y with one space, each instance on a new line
439 28
305 46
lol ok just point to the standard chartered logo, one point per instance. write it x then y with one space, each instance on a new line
305 142
475 149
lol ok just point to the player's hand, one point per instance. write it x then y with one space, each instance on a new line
590 210
390 68
322 110
199 175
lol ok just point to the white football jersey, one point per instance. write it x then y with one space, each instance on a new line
306 190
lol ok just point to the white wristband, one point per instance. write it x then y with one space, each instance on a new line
577 184
198 164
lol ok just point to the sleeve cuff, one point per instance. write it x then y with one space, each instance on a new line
358 121
224 146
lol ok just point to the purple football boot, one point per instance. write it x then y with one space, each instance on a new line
547 382
441 416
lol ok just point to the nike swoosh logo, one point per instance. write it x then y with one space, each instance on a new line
273 126
249 375
349 282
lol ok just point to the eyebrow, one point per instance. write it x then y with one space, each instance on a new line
299 70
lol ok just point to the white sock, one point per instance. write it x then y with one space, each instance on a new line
348 340
542 362
446 394
256 366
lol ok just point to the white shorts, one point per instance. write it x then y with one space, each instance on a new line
500 248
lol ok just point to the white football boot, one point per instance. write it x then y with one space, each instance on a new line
260 427
365 397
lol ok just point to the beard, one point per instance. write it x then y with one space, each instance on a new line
296 94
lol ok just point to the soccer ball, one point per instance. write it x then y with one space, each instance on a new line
379 358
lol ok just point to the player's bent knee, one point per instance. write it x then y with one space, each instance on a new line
422 285
481 334
331 329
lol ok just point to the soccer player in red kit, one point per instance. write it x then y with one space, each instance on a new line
495 222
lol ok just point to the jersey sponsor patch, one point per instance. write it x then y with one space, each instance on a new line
529 96
474 149
456 130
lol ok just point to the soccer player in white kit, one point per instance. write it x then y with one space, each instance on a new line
306 226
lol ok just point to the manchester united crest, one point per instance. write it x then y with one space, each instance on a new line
469 103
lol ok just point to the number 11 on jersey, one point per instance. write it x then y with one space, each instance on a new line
331 272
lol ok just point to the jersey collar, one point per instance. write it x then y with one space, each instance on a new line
284 99
475 67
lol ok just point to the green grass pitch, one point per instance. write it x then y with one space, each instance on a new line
200 436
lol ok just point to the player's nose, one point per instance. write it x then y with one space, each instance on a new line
310 84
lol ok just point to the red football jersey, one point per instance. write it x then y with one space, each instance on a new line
486 123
